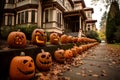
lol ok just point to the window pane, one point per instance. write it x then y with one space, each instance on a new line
22 18
9 20
33 16
26 16
46 15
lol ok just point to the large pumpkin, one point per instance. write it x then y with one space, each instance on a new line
59 55
22 68
39 37
54 38
16 39
43 60
64 39
68 54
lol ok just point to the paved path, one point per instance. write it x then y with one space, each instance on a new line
96 66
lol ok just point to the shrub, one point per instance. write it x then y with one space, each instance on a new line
94 35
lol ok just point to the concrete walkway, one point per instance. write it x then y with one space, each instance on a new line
97 66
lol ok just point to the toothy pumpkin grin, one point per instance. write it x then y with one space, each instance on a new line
45 62
26 72
38 41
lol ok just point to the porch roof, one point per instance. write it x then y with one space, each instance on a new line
75 13
90 21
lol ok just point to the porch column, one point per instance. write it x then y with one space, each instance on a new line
80 22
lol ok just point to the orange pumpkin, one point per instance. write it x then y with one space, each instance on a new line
68 54
54 38
59 55
63 39
74 52
39 37
16 39
43 60
70 39
22 68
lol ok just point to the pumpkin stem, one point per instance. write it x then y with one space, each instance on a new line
42 50
18 30
22 54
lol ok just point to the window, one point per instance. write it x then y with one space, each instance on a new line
33 16
22 17
26 16
11 1
9 20
18 18
59 15
46 15
88 27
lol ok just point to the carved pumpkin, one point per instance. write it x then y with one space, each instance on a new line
22 68
74 51
64 39
59 55
16 39
70 39
68 54
74 39
39 37
54 38
43 60
78 49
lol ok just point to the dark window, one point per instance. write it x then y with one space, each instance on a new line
11 1
59 15
9 20
22 18
26 16
18 18
88 27
46 15
3 22
33 16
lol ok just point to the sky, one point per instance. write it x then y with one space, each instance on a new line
97 11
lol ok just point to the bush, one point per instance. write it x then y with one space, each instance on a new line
27 29
94 35
5 32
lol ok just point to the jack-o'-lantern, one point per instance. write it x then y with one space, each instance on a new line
43 60
54 38
74 39
68 54
59 55
74 52
78 49
64 39
16 39
22 68
70 39
39 37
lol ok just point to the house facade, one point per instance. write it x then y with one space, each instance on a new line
61 16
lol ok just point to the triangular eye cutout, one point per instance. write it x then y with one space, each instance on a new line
25 61
43 56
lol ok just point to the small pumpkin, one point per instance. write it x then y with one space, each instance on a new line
74 52
64 39
59 55
43 60
39 37
22 68
16 39
68 54
70 39
54 38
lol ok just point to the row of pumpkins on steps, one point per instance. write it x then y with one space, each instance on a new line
17 39
23 67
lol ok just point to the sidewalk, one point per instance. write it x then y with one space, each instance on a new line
97 66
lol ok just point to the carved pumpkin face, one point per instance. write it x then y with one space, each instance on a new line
22 68
70 39
74 52
39 37
59 55
64 39
16 40
68 54
44 60
54 38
